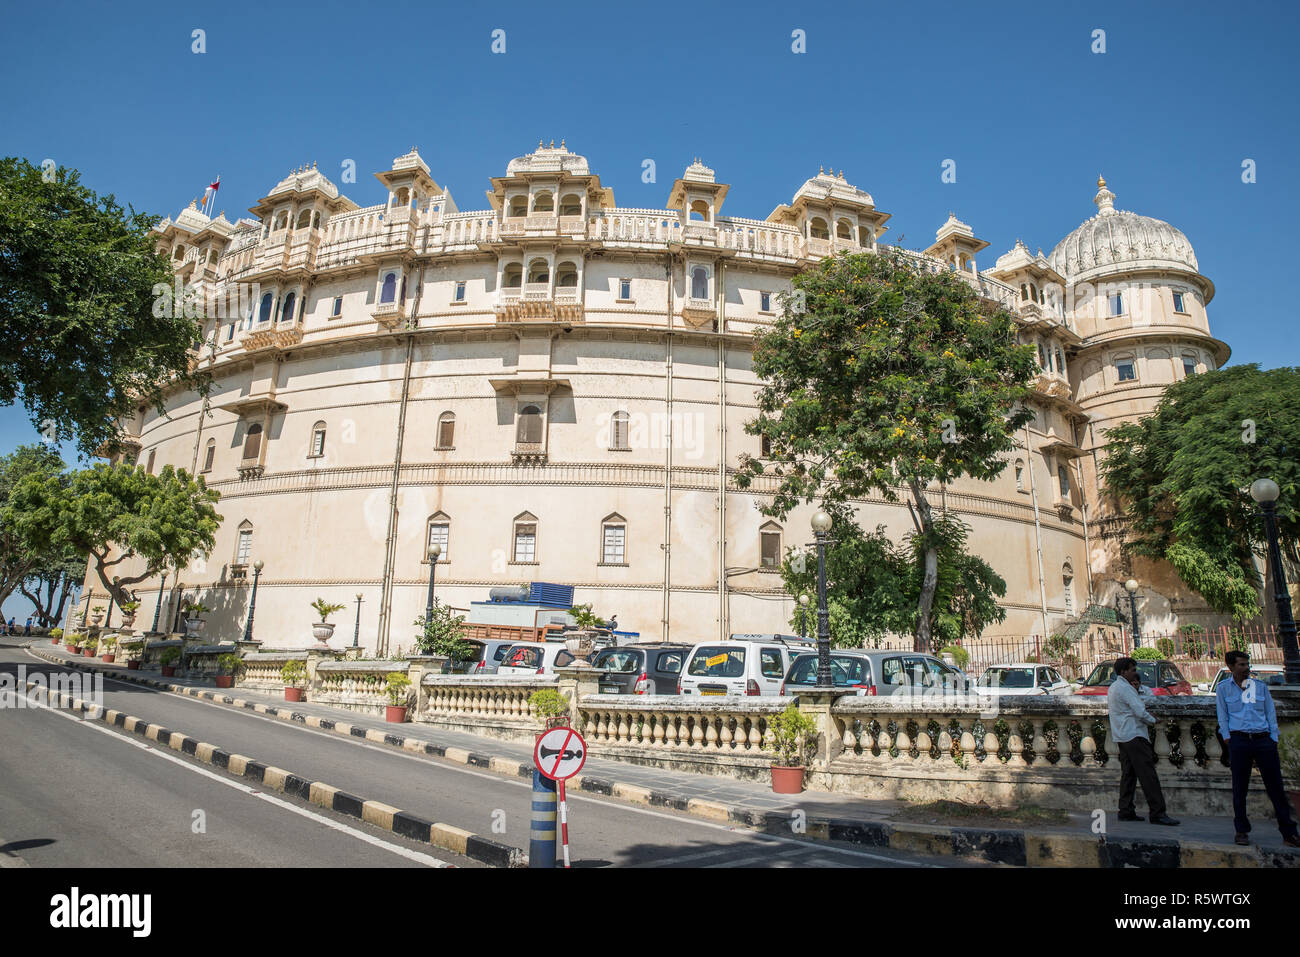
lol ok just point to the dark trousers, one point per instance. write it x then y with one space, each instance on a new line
1244 752
1137 762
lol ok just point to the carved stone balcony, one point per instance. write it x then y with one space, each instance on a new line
1065 510
528 453
698 312
706 233
390 315
271 337
251 469
538 302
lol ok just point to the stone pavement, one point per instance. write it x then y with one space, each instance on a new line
1198 841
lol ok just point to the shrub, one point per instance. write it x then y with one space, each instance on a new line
1193 647
170 656
960 656
1146 653
88 642
293 673
790 732
107 642
398 688
1056 646
1165 646
75 639
56 633
230 664
1237 641
549 705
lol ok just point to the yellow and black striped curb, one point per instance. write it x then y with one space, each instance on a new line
1015 847
446 836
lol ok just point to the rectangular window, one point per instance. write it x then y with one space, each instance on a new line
771 550
1178 302
149 467
526 542
440 535
1189 366
765 301
460 292
1063 477
318 442
615 539
1126 369
245 546
1116 304
338 306
230 332
625 289
207 458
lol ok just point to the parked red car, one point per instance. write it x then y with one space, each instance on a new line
1162 677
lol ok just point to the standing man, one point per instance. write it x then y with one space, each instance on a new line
1249 724
27 628
1137 759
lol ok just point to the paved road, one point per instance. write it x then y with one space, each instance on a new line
602 832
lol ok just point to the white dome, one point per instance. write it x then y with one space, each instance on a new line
1116 240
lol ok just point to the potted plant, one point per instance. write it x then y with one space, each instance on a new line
56 635
74 642
1288 751
97 614
550 706
323 630
89 647
293 673
581 643
167 661
228 665
129 608
194 623
133 650
106 643
790 732
399 691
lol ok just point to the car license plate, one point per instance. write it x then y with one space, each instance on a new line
610 689
713 692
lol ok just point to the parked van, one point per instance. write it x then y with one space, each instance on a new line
737 667
534 658
490 654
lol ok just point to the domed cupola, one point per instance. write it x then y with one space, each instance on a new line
1118 241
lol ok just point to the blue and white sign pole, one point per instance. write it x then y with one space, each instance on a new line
541 844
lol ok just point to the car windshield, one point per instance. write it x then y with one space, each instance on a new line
618 659
1104 674
1008 678
715 661
845 670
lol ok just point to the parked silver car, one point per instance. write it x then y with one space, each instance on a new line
870 672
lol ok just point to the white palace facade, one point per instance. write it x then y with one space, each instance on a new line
555 389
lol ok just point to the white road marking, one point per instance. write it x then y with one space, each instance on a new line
427 859
429 760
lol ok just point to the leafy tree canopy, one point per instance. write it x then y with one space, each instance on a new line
879 374
80 345
1182 477
23 552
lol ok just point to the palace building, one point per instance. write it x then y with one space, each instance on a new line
555 389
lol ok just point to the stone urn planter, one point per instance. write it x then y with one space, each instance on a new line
195 626
322 631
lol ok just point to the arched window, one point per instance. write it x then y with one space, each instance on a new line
514 276
317 447
447 430
844 229
1043 361
315 219
818 230
864 236
440 535
764 446
388 293
539 271
618 431
529 431
253 441
1060 362
1024 292
699 283
1067 580
264 313
544 203
525 538
179 252
281 221
244 543
699 212
613 540
518 206
208 454
1020 475
304 219
286 313
571 205
402 197
770 545
566 275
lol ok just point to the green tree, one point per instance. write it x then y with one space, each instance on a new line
443 634
80 345
880 377
117 513
1182 478
23 552
51 583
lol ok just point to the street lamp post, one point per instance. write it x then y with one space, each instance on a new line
158 607
252 601
803 616
434 551
821 524
1265 493
1131 586
356 630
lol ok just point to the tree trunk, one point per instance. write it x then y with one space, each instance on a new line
931 578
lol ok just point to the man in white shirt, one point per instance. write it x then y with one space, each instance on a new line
1129 719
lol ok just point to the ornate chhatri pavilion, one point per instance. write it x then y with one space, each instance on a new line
555 389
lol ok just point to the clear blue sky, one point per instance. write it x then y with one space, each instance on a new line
1012 92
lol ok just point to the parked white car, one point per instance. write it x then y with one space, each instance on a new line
737 667
534 658
1269 674
1022 679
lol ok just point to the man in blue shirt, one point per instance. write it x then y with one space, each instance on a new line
1248 723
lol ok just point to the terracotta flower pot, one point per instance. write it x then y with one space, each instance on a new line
294 694
75 649
54 641
133 664
168 671
395 713
108 658
787 780
225 681
88 652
